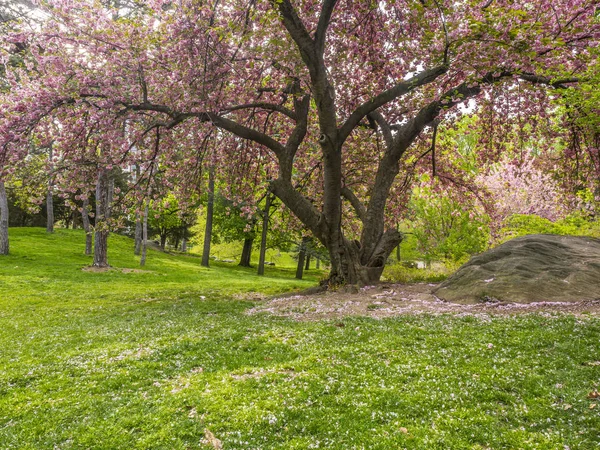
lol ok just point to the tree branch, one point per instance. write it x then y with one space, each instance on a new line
263 105
301 207
298 31
402 88
324 20
243 132
360 209
386 130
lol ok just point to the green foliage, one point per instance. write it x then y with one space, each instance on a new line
399 273
574 225
149 360
445 228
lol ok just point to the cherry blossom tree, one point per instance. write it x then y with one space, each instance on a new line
338 95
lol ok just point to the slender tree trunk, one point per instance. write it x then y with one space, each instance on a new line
318 263
137 235
144 236
184 239
398 253
246 252
209 217
74 220
104 192
85 220
163 240
263 239
4 247
49 198
49 210
301 256
307 266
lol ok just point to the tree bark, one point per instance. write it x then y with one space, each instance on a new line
184 239
49 198
301 256
246 252
163 240
307 265
104 193
263 238
137 235
85 220
4 247
144 244
209 217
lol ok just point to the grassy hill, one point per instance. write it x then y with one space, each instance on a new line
167 358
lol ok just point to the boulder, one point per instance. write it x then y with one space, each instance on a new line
533 268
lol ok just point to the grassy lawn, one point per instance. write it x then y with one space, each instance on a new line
150 360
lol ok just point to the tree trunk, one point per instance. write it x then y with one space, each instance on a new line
246 252
163 240
85 220
209 217
318 263
104 193
307 266
50 210
398 253
137 235
301 256
144 244
184 239
4 247
49 199
263 239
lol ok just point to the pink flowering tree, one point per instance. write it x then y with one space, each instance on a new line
337 94
521 187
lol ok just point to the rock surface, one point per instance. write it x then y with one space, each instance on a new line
534 268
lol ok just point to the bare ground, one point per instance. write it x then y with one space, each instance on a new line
389 300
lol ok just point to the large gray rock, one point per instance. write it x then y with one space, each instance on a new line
534 268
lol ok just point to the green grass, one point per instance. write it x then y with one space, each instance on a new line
140 360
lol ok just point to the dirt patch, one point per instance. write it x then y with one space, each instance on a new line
135 271
112 269
96 269
252 296
389 300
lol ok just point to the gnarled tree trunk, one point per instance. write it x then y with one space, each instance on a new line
4 247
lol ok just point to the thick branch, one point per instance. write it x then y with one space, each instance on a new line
245 132
558 83
286 160
263 105
324 20
301 207
402 88
360 209
384 126
298 32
